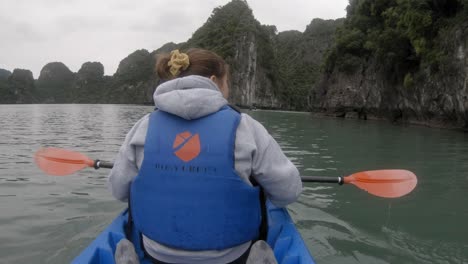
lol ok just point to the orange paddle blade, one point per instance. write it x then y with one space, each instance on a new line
60 162
384 183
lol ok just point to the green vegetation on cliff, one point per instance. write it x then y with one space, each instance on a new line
223 28
233 32
54 84
21 86
299 58
400 34
89 84
404 60
16 87
268 69
6 94
134 80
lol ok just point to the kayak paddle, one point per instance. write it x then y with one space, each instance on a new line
61 162
382 183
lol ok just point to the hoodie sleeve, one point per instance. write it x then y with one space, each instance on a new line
128 160
269 166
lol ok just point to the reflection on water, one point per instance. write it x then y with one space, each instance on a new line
52 219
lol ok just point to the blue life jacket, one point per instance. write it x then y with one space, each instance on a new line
187 194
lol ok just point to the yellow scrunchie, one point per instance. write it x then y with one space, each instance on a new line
177 62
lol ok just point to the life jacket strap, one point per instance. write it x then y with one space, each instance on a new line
263 229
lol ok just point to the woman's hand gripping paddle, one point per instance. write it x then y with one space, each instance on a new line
382 183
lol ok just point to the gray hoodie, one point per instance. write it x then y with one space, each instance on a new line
256 154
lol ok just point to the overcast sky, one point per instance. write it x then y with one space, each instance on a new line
35 32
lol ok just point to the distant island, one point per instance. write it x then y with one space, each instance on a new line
405 61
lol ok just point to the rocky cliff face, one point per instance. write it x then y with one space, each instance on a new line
89 84
4 74
90 72
135 79
436 100
429 95
269 70
234 34
55 82
251 84
6 94
21 85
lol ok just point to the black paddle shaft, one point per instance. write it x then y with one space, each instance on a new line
323 179
103 164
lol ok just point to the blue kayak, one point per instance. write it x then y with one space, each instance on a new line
283 237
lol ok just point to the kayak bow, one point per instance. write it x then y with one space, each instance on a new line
283 237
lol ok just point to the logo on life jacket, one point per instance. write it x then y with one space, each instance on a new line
186 146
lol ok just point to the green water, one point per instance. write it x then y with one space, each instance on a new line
345 225
47 219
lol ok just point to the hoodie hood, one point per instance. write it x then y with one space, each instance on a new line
189 97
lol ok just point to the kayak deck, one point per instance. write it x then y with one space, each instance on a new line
283 237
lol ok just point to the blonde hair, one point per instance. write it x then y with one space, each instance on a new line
194 62
178 62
